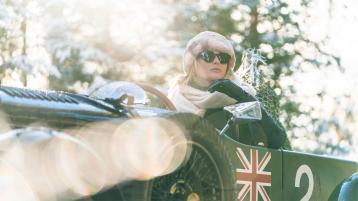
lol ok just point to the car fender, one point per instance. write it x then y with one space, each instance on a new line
349 189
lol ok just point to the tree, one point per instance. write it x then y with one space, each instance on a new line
276 29
19 55
144 40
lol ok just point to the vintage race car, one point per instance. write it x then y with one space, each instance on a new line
231 154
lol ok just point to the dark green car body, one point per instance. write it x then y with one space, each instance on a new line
256 173
277 174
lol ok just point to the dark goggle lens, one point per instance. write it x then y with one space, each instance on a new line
209 57
224 58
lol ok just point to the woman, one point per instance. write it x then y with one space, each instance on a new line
208 56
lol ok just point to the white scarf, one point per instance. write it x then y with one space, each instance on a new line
189 99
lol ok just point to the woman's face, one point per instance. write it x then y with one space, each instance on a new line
207 72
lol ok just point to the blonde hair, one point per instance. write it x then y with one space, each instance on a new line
191 74
204 41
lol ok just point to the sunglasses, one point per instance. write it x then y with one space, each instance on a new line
209 56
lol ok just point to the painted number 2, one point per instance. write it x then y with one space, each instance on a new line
305 169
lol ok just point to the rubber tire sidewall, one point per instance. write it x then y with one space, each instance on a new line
205 135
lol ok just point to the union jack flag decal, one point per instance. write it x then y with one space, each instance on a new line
253 177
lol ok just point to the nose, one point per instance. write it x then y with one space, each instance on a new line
216 60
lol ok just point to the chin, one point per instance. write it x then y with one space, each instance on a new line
213 78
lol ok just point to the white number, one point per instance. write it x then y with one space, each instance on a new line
305 169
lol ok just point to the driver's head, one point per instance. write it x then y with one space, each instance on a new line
208 56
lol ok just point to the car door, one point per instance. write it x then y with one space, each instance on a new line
258 171
312 177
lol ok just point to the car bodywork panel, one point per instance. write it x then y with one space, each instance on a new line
261 173
285 169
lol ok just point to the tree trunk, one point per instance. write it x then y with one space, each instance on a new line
24 45
254 35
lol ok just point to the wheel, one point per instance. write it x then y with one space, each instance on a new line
134 92
347 190
208 173
163 98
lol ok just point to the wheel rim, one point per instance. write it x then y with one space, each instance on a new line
198 180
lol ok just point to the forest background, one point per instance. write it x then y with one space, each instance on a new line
309 47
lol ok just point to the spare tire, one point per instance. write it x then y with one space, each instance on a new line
208 174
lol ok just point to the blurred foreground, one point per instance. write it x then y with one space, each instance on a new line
42 164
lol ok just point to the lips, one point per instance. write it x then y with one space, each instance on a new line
215 69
